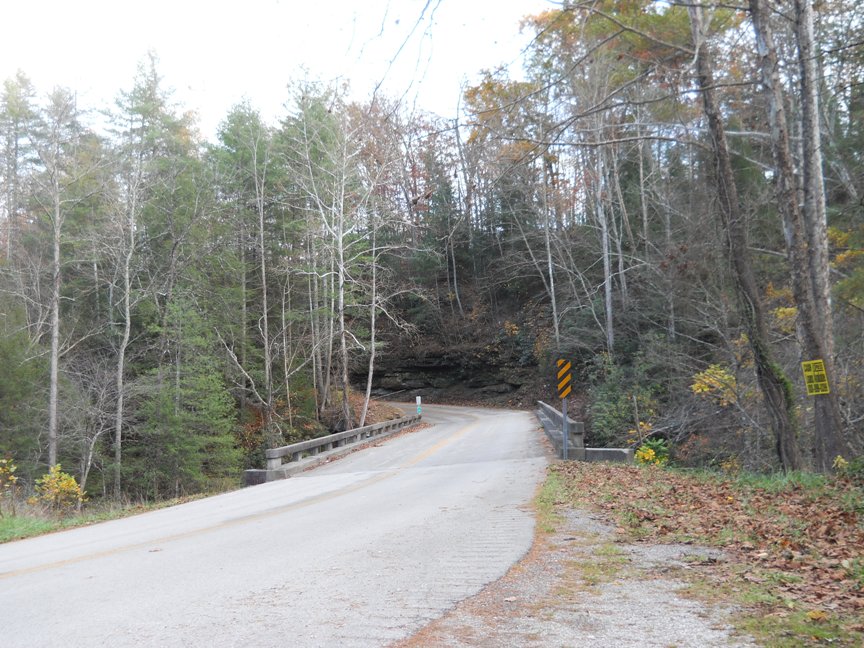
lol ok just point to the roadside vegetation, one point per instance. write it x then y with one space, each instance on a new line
172 306
33 519
56 501
793 544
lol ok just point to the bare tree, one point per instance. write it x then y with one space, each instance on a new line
58 139
772 382
804 228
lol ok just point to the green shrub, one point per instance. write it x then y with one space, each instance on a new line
620 391
653 452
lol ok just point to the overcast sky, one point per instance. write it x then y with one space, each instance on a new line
213 54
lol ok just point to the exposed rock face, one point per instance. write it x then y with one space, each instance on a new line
468 373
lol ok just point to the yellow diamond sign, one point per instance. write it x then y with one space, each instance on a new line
815 378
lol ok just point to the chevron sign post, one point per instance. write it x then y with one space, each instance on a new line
565 386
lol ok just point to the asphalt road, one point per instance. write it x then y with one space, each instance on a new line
359 552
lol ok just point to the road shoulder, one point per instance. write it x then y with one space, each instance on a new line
579 585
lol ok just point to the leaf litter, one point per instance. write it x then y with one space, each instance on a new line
803 545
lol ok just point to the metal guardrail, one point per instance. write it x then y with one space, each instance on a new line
295 451
552 422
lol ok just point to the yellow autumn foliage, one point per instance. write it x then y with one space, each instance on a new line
8 479
784 318
59 490
717 383
847 256
838 238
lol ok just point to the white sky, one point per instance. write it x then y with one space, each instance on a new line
213 54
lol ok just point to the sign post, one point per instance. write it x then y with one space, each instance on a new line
419 406
565 378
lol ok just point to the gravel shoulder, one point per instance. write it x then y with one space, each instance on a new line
579 585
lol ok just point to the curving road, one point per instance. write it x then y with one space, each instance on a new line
359 552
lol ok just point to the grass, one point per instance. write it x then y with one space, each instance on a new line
780 622
792 629
545 503
607 563
31 522
780 482
17 527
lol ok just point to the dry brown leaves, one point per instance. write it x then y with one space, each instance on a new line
811 539
378 411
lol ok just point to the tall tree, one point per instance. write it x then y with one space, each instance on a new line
322 156
805 228
773 384
139 122
15 112
248 147
61 144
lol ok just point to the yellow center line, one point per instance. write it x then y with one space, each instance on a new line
438 446
309 501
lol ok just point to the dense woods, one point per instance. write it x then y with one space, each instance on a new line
672 196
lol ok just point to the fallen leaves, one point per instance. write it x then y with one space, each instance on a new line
805 544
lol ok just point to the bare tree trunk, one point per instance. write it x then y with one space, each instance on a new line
314 328
773 384
287 341
452 249
469 201
343 332
619 236
643 200
327 367
55 139
127 229
55 322
829 441
550 266
548 283
121 360
602 219
260 176
829 422
87 461
372 328
244 308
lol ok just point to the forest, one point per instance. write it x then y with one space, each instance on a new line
672 197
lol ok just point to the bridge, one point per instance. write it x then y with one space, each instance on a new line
357 552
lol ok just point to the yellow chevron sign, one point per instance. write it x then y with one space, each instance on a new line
565 377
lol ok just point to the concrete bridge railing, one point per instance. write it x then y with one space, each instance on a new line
286 460
553 422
